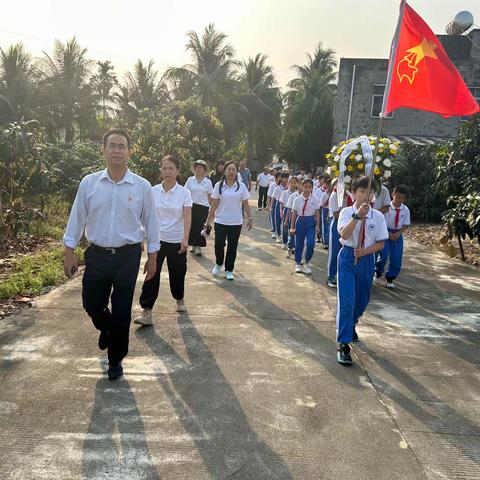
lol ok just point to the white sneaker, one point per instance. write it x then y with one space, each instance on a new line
378 280
307 269
229 275
298 269
390 285
145 318
279 240
217 270
274 235
181 306
284 246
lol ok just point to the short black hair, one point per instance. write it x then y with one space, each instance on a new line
116 131
277 175
402 189
173 159
284 175
307 180
359 182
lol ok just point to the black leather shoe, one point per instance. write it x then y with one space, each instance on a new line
343 354
355 338
103 339
115 371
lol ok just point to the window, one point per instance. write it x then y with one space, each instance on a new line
377 101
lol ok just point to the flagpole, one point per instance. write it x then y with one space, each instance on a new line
393 53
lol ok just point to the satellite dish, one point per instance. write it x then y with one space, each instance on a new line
460 24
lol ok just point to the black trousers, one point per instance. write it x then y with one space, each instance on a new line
199 217
111 278
177 269
262 197
226 234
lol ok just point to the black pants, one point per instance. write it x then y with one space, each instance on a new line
177 269
229 234
199 217
107 274
262 197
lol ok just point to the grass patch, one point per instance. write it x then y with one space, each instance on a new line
33 273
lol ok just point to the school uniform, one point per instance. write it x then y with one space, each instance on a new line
200 206
383 199
305 226
325 216
271 188
334 244
277 194
228 221
170 211
263 181
396 218
286 221
354 282
291 236
116 217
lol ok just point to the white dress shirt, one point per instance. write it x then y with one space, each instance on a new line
375 227
324 197
333 203
278 192
403 217
200 190
271 188
291 199
113 214
383 199
169 206
229 209
263 180
285 196
308 209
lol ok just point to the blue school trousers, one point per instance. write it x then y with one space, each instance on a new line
278 220
394 250
334 247
272 216
354 283
325 226
304 233
285 226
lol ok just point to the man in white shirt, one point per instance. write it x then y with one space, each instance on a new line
263 182
116 211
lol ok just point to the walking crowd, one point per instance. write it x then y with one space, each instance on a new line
117 211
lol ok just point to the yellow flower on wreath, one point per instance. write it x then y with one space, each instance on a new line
376 171
360 166
380 150
333 168
352 156
350 168
328 155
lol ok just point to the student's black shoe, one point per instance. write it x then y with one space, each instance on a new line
355 338
343 354
115 371
103 339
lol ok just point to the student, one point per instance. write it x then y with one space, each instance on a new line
318 190
325 216
228 197
398 220
263 182
173 204
285 211
200 188
355 280
382 200
116 211
305 223
276 195
291 236
334 244
271 202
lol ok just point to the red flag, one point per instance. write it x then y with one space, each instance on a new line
421 75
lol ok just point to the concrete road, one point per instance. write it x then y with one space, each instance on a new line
246 386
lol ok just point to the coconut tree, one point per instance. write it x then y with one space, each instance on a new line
102 84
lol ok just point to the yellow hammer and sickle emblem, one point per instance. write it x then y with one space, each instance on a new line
407 67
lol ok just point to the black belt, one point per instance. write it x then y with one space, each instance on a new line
113 250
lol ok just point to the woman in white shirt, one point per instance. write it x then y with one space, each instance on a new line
228 197
200 188
173 204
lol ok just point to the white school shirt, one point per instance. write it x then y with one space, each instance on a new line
375 227
383 199
169 206
291 199
278 192
199 191
263 180
113 214
229 210
313 204
271 188
271 179
403 218
333 204
285 196
324 199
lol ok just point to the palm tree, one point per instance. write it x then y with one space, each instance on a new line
308 123
69 94
263 100
18 83
103 82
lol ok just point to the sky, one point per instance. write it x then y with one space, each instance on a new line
285 31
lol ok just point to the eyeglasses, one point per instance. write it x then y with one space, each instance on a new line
114 146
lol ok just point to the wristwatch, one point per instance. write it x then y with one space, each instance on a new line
355 216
